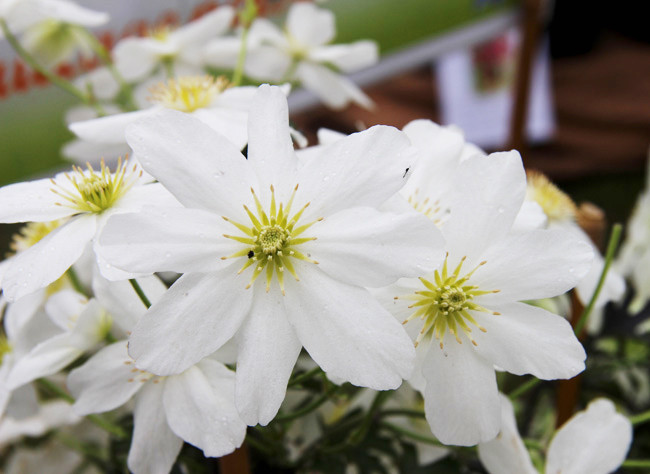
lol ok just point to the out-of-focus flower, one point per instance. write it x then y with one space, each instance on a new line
595 440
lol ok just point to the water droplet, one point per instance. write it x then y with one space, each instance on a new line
501 210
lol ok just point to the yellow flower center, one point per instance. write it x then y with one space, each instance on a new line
189 93
32 233
445 304
272 239
5 347
160 33
556 204
95 192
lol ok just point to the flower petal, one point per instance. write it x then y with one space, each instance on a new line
310 25
109 129
362 246
31 201
229 122
362 169
200 408
154 446
524 339
106 381
506 453
267 351
178 240
47 260
347 332
197 32
531 265
196 164
135 58
194 318
595 440
270 149
347 57
335 90
461 399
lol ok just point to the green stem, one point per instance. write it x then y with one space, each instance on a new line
640 418
360 433
96 419
637 463
609 257
298 379
412 434
409 413
238 74
105 58
138 289
75 281
53 78
523 388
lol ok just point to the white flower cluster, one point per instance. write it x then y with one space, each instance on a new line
386 255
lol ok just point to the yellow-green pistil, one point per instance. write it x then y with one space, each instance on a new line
272 239
95 192
445 304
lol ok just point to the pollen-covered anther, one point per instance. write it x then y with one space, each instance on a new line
92 191
188 93
445 305
272 239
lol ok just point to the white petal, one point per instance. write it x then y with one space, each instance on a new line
46 358
533 265
613 288
177 240
222 52
135 58
267 351
200 408
194 318
332 88
506 453
531 216
105 382
237 98
595 441
362 246
110 129
487 197
31 201
270 149
154 446
461 400
347 332
347 57
82 152
362 169
70 12
233 124
267 63
64 307
196 164
121 301
197 32
48 259
310 25
524 339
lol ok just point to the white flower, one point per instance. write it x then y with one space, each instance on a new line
300 53
213 101
594 441
87 198
21 14
467 316
50 415
197 406
309 292
137 58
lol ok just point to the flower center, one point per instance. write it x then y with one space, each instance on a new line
445 304
5 347
272 239
95 192
556 204
188 93
430 209
160 33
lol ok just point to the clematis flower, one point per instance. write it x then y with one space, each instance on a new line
595 440
300 53
467 316
137 58
87 198
273 253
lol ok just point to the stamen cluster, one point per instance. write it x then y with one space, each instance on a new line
446 303
95 192
32 233
272 239
189 93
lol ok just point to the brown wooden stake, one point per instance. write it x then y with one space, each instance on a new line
236 462
592 220
530 29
